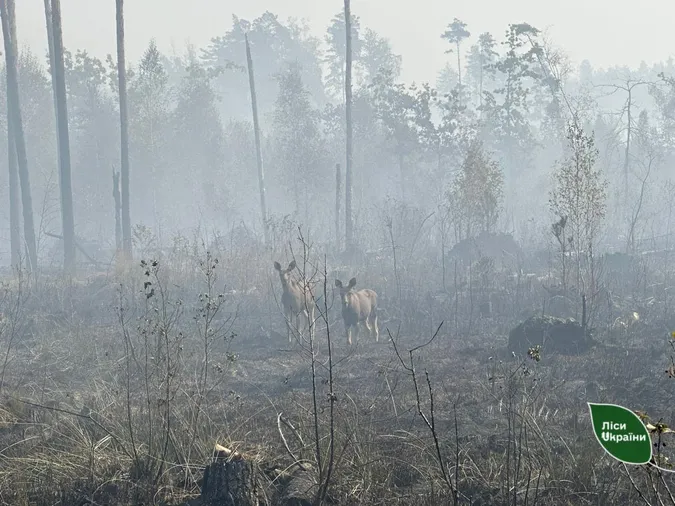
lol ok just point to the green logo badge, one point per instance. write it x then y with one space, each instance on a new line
621 433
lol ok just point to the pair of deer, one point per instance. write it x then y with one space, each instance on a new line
358 306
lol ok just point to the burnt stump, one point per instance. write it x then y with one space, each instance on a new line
233 482
554 335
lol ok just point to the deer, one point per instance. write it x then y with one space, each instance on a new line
358 307
296 298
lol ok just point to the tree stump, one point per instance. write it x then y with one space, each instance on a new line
564 336
233 482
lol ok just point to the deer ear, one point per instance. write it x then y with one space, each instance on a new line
352 283
291 266
277 266
338 283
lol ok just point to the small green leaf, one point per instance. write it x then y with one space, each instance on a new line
621 433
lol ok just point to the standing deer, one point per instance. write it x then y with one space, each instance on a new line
358 307
296 298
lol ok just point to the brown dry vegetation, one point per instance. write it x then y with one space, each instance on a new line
116 386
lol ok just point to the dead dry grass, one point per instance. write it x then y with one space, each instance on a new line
81 422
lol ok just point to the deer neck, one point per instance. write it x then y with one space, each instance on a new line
288 284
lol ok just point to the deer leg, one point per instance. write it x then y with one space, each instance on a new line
368 327
349 334
290 326
310 320
287 318
305 321
373 318
356 331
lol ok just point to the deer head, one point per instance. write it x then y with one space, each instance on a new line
285 274
344 291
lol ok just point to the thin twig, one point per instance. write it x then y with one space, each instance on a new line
79 415
288 449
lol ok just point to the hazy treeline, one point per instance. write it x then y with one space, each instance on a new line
192 150
134 374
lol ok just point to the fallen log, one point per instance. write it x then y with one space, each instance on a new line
77 245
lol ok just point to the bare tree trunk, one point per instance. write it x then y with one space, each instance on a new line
256 131
349 224
401 169
14 108
118 211
124 131
14 197
338 199
626 161
50 44
584 317
444 231
459 75
480 86
59 84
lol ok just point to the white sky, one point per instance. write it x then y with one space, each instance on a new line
607 32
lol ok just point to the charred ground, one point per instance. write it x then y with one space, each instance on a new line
125 406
